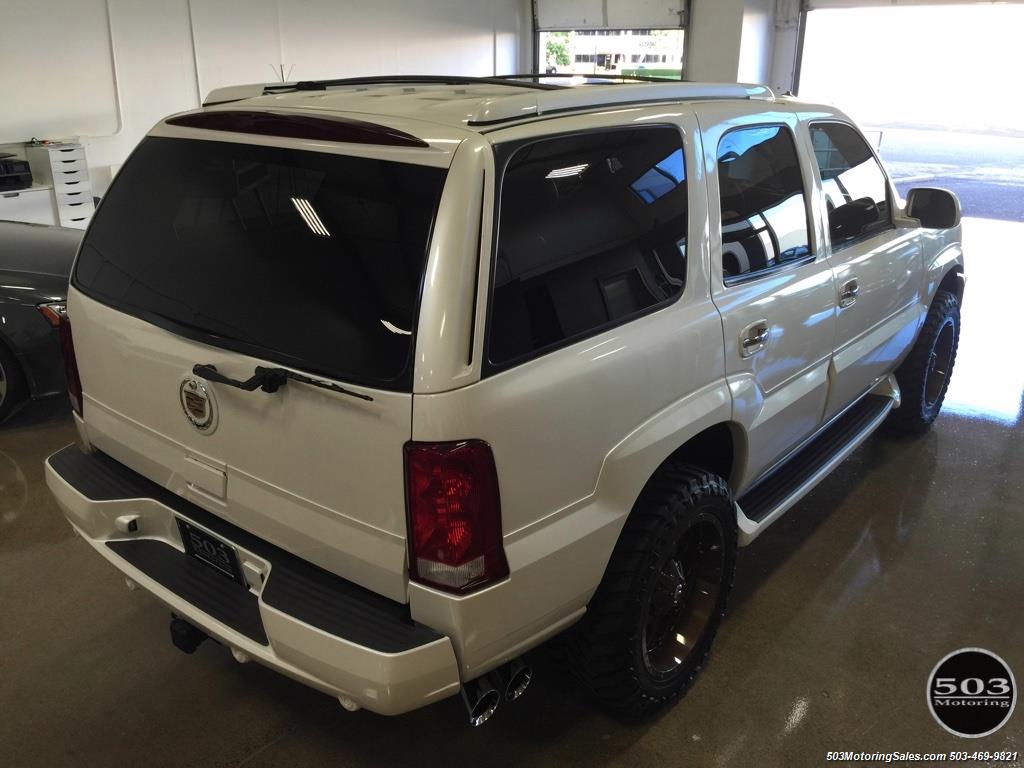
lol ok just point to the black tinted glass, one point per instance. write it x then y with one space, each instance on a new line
307 259
856 194
764 212
592 231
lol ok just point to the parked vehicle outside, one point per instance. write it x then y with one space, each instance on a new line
35 264
389 380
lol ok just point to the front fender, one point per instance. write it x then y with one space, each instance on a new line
943 252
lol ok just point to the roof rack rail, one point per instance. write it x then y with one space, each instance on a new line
519 106
533 97
238 92
590 79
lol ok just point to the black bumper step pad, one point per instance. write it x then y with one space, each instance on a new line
295 586
227 602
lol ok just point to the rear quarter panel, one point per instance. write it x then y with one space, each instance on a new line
576 434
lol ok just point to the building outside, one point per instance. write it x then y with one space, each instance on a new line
650 52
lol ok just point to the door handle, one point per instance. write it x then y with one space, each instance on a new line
848 293
754 338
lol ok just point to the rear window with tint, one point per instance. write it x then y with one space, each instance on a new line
592 234
306 259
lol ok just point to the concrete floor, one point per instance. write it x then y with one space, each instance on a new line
911 549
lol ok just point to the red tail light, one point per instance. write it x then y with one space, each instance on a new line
67 348
53 313
454 515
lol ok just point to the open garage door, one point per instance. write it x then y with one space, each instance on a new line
935 85
611 37
933 82
813 5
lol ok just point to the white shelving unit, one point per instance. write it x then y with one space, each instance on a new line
64 168
61 193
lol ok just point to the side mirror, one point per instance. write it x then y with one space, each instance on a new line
935 208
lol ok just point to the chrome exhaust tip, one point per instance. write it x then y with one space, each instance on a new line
481 699
518 674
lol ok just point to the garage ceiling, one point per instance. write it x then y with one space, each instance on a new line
609 14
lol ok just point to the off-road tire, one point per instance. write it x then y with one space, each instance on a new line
12 383
921 403
606 650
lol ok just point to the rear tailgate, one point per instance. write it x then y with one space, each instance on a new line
237 256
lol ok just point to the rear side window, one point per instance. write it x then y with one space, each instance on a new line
307 259
591 233
764 209
856 193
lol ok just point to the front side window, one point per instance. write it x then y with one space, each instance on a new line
856 193
591 232
764 209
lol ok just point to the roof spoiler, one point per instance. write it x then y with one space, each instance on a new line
234 93
297 126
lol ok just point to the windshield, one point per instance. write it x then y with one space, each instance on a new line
307 259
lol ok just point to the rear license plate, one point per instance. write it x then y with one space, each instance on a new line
210 550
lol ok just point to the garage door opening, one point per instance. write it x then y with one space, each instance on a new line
628 52
936 85
924 77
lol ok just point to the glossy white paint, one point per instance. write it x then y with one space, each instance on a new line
576 433
446 328
779 392
294 475
386 683
874 332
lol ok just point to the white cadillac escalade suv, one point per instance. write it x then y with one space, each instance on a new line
383 382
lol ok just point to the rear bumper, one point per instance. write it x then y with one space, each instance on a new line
295 618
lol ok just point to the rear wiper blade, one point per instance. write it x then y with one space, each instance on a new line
270 380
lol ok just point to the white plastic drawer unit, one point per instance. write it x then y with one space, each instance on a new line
66 153
71 199
76 215
66 168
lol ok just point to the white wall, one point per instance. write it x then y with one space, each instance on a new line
751 41
785 47
713 40
757 38
169 53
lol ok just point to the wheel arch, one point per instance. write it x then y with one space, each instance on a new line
953 281
20 369
699 431
693 428
945 271
719 449
19 344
